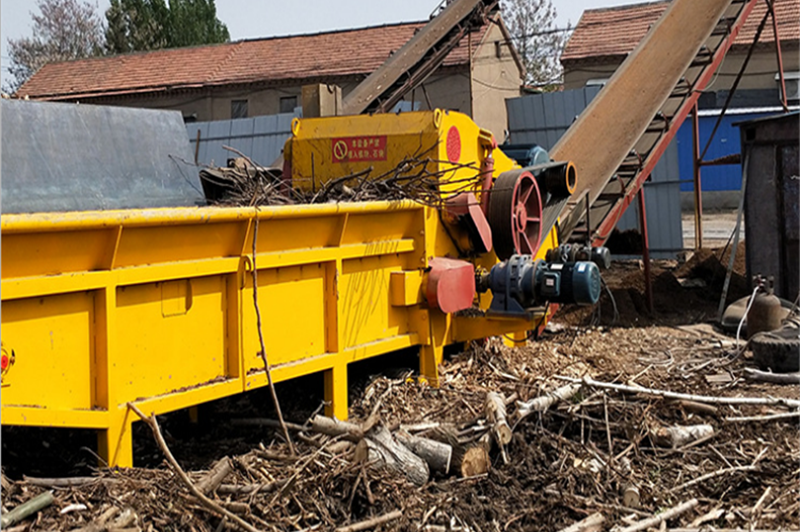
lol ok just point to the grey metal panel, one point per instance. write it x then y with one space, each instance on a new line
242 135
68 157
543 118
260 138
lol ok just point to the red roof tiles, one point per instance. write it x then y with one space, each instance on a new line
340 53
615 31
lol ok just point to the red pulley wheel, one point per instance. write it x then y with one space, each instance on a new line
515 214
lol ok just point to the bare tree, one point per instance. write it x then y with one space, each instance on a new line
536 37
63 30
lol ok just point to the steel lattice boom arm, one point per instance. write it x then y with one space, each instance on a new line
617 140
418 58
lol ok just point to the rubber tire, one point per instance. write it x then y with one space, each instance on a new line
778 351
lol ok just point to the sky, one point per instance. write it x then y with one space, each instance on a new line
265 18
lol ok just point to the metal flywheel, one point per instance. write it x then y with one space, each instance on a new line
515 214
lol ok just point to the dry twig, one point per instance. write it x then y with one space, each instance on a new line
205 501
263 352
769 401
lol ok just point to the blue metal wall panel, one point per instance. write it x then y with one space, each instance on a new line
543 118
726 142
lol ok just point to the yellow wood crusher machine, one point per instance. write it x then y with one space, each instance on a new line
155 306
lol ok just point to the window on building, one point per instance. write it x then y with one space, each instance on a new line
288 103
792 80
238 108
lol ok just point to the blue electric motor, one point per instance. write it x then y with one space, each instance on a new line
521 283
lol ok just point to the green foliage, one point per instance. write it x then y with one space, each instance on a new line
140 25
195 22
62 30
136 25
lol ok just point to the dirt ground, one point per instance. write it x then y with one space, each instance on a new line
577 458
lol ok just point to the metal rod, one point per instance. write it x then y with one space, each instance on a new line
472 74
648 281
735 84
197 147
723 298
696 164
771 9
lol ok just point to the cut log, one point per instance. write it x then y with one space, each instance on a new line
469 459
26 509
679 436
775 378
699 408
631 497
215 476
438 455
593 523
380 448
341 447
333 427
496 415
67 482
542 403
475 462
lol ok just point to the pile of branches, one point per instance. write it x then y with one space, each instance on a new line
243 183
555 449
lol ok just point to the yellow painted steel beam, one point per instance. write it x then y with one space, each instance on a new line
52 417
178 400
327 361
18 288
466 329
67 221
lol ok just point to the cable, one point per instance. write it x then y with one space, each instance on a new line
494 87
613 301
741 322
533 331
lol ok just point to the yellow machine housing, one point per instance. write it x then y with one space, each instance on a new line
325 148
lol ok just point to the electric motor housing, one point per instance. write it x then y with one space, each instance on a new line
521 283
577 252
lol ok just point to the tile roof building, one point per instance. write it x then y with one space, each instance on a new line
604 37
265 76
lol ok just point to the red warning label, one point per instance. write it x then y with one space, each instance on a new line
355 149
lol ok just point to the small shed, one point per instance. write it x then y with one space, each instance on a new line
772 204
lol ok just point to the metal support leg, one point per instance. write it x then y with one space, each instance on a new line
430 357
515 339
698 196
115 444
336 392
648 282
